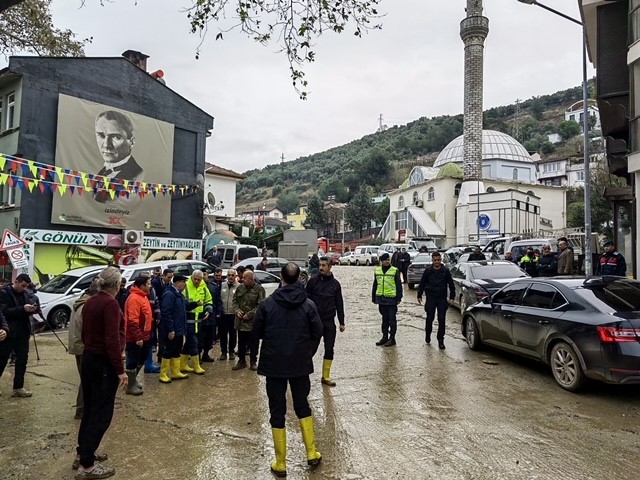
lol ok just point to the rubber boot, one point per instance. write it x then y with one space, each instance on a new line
197 369
382 341
184 364
132 385
149 366
176 374
165 367
326 373
309 438
279 467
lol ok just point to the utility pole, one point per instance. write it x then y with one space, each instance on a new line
381 126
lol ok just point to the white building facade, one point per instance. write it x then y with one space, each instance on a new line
220 197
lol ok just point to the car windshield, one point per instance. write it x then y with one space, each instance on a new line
501 270
422 258
619 296
59 284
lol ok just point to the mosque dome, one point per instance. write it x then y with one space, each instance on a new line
495 145
451 170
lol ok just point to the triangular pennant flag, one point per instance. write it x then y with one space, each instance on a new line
25 169
32 168
12 165
42 187
125 183
26 182
11 181
72 189
112 194
3 178
31 186
59 171
3 161
106 181
53 186
80 190
83 176
62 189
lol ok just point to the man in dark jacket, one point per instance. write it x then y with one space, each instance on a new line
611 262
386 292
326 292
477 255
547 265
405 260
290 329
16 308
210 323
434 282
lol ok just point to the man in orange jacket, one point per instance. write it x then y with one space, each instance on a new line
138 324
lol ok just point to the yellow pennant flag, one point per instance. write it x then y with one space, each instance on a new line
126 184
83 176
106 181
60 172
3 161
62 189
32 185
32 168
3 178
144 187
112 194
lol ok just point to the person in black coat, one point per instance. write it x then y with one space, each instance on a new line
326 292
547 264
611 262
290 329
16 308
434 282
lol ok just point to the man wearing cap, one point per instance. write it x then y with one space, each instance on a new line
611 262
387 294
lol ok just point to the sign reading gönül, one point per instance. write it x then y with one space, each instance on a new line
115 144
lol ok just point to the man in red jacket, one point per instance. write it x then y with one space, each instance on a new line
139 323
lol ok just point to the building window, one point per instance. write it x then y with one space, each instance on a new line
431 194
1 113
11 110
580 176
415 198
401 220
530 192
7 196
401 202
635 21
456 190
515 173
491 190
572 118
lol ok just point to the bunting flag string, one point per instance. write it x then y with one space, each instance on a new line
49 178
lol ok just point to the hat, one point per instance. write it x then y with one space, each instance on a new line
607 243
384 256
179 278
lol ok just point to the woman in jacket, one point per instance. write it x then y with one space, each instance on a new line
139 322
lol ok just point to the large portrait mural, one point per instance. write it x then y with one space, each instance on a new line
116 147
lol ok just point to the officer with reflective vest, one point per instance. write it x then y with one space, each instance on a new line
387 294
196 290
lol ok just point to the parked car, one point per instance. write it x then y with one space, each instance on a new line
417 267
390 248
488 256
232 253
519 248
477 280
582 329
274 266
454 253
269 281
334 257
366 255
348 258
58 294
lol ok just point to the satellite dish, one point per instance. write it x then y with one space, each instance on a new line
200 180
208 227
211 199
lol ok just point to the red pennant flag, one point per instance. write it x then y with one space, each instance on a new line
54 187
41 187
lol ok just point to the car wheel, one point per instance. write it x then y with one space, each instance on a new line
304 277
566 368
59 318
357 263
412 286
471 334
367 263
463 303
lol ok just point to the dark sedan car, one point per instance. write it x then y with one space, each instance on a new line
274 266
477 280
580 328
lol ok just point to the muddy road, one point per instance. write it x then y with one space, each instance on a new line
405 412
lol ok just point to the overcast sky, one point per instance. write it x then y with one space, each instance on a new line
411 68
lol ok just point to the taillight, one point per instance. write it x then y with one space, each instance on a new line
616 335
480 292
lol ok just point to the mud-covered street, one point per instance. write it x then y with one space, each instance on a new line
406 412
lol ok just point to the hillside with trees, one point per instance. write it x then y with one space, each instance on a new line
381 161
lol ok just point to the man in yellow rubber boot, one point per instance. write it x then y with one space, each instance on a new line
290 329
325 291
196 291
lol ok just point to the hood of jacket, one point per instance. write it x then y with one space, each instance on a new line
290 296
138 291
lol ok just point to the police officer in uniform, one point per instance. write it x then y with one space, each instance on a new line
387 294
611 262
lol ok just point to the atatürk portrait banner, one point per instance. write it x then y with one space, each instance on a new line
116 144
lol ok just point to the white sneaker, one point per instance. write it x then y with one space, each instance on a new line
21 392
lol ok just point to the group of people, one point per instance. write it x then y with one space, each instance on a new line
111 334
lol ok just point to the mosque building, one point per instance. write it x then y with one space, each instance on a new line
511 201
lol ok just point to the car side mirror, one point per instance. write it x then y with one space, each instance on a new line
76 290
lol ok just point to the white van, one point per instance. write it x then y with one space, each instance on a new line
365 255
519 248
232 253
391 248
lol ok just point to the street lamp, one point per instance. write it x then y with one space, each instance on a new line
588 259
